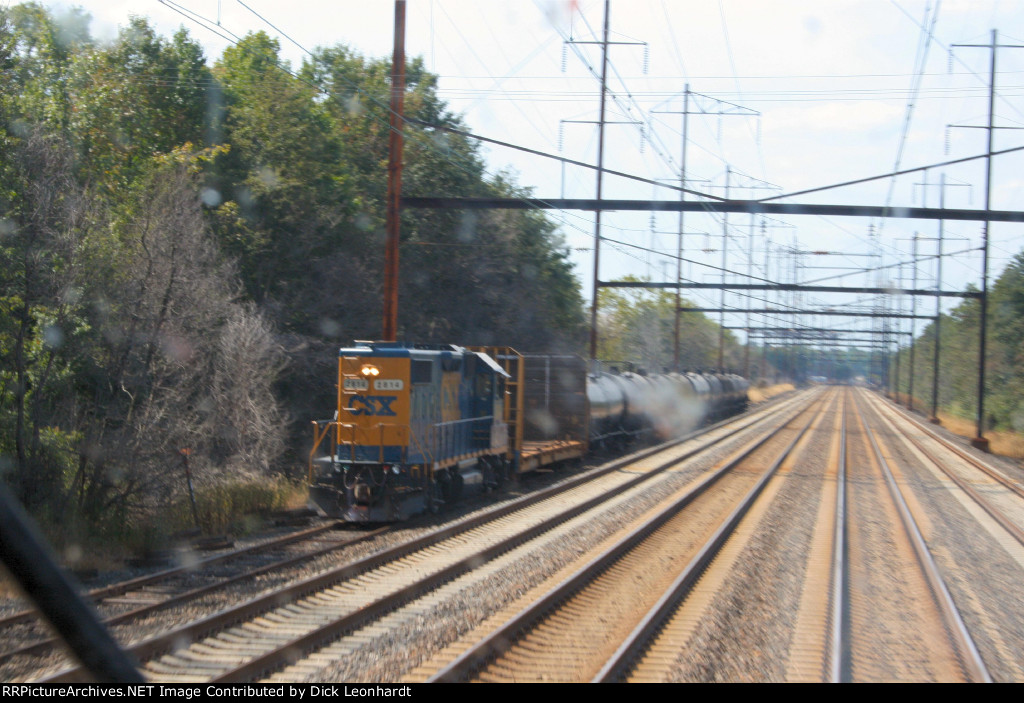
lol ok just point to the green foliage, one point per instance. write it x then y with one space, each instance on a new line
958 346
283 183
167 229
637 325
1007 364
43 46
140 96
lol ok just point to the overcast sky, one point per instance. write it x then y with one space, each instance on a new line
820 93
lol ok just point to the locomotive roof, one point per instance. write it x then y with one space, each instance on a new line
398 349
405 350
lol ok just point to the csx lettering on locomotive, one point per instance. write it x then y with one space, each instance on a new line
372 405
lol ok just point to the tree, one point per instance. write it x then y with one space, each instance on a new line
1007 334
167 231
172 356
637 325
282 182
40 265
139 97
44 45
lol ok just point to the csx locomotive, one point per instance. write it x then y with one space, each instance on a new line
417 425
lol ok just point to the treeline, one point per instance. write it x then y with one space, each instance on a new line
637 326
958 352
184 245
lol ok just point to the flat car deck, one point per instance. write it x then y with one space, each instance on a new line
542 453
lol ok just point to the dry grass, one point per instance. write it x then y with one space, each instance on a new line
761 394
79 555
1003 443
235 507
1008 444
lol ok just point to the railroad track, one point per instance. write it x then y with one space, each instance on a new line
970 515
904 624
148 597
872 604
569 632
841 623
322 608
820 540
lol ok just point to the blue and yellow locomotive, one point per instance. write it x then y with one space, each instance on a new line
414 424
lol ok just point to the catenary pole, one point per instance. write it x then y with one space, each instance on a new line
394 193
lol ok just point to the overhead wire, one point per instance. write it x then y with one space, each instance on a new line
920 61
954 57
234 39
735 74
563 217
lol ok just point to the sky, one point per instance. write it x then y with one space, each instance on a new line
816 93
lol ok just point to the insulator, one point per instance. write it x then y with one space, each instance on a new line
561 135
643 138
647 58
949 63
947 142
565 57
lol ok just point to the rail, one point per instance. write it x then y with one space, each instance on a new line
968 650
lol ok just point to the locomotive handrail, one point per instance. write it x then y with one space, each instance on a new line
321 429
318 437
449 438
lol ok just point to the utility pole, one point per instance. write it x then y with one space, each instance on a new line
764 342
764 185
913 328
394 193
600 169
980 441
725 249
679 248
750 276
722 108
765 226
600 174
938 307
934 417
899 328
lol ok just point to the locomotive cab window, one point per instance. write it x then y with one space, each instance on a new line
484 385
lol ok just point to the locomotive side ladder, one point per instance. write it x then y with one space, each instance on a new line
511 362
349 384
333 428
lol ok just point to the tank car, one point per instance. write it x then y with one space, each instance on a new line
630 404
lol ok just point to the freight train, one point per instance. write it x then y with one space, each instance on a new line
418 425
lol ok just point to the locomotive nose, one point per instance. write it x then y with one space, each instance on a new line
362 492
